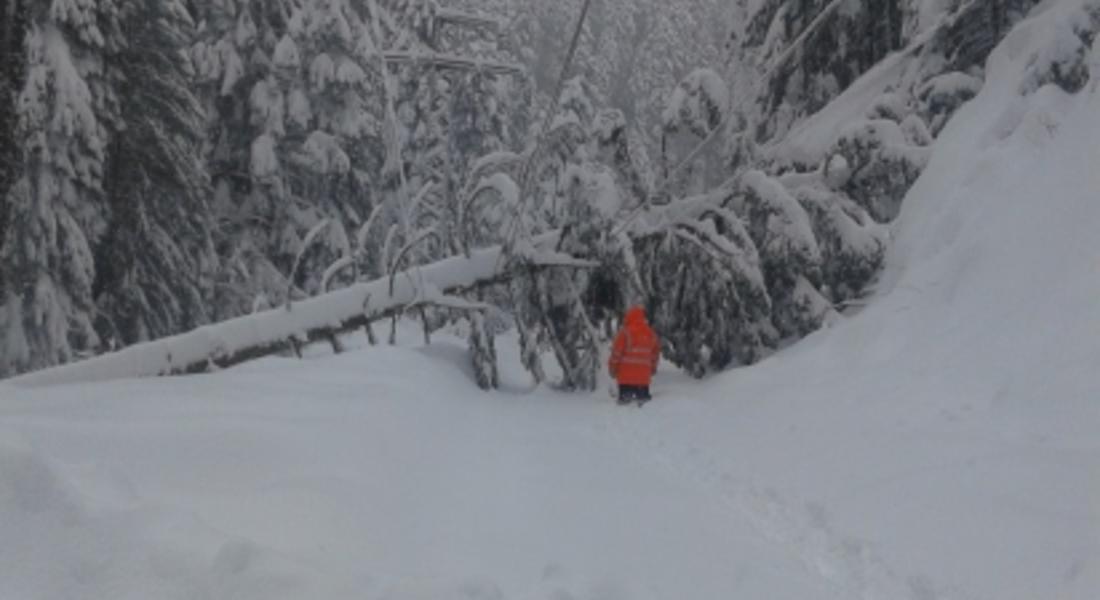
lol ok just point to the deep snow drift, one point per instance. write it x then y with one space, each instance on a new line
943 443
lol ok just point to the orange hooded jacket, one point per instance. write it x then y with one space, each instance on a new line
635 352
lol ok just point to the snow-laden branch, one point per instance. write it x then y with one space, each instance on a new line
796 44
334 269
307 243
404 253
430 295
453 62
457 17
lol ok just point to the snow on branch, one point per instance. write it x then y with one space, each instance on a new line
561 259
334 269
404 252
453 62
699 103
430 295
457 17
307 243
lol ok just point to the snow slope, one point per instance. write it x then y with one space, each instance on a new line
944 443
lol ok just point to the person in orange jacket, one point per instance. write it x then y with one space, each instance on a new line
634 357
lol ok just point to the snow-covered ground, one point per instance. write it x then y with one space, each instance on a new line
944 443
377 474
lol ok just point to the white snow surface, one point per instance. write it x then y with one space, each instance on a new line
944 443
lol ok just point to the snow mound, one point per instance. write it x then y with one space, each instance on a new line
1001 226
29 486
70 533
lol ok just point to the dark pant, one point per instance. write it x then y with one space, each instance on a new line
633 393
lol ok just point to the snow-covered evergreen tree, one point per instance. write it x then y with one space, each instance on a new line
883 163
704 288
941 95
58 212
630 51
233 62
801 54
976 28
696 112
156 261
814 49
416 17
791 258
852 244
294 96
448 122
323 112
13 30
12 68
329 67
569 187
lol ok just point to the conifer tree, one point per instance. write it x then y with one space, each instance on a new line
58 211
246 112
156 261
13 31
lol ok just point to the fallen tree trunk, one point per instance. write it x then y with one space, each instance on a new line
291 327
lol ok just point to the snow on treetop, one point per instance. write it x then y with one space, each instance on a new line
503 185
349 72
787 222
322 71
496 160
264 162
597 188
700 101
323 153
286 53
951 83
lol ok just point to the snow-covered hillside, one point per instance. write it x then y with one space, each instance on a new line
941 443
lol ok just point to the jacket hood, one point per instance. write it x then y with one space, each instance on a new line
635 316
